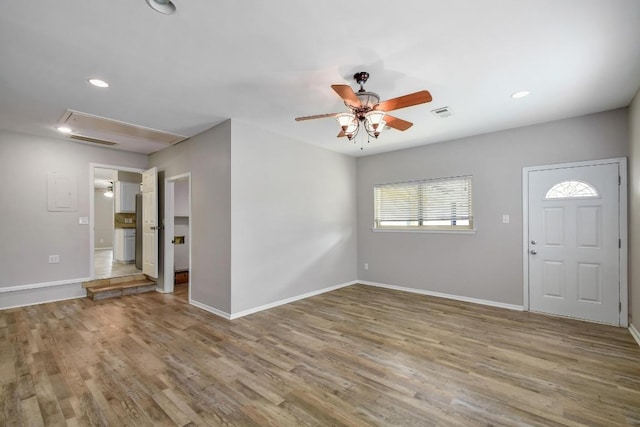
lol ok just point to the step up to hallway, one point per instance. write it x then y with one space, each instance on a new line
119 286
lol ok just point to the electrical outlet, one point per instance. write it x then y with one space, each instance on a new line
366 266
505 219
54 259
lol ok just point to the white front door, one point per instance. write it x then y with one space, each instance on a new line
574 242
150 222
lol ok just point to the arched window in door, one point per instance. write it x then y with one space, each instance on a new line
572 190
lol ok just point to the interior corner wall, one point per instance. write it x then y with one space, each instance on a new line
634 212
30 233
293 218
208 157
486 265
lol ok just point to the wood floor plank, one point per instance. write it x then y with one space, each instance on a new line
355 356
31 415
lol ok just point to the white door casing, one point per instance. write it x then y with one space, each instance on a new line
169 228
150 222
573 245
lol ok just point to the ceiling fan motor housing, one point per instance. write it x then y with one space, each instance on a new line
361 78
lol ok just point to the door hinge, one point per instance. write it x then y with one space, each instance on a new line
619 180
619 243
620 307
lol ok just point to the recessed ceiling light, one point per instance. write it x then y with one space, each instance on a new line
162 6
520 94
98 83
64 129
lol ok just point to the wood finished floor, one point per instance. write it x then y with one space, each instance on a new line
356 356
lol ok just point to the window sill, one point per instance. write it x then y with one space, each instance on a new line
392 230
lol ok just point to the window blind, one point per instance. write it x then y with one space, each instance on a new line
443 203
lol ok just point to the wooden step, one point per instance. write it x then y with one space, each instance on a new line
118 286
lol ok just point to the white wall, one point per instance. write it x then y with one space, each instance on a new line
208 157
103 219
28 231
293 218
487 265
634 212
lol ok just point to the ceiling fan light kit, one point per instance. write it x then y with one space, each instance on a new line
366 110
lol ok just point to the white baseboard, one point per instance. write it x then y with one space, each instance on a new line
40 293
634 333
290 300
210 309
30 286
442 295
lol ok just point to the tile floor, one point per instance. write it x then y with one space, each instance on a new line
107 267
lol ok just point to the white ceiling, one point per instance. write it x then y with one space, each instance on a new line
269 62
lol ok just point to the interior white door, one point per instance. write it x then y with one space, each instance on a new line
150 222
574 249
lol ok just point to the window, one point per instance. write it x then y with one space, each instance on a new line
435 204
572 190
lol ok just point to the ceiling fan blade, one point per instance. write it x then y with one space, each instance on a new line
404 101
347 94
396 123
341 134
317 116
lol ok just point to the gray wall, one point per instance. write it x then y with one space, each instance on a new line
28 231
488 264
634 212
103 219
293 218
181 198
129 177
208 157
271 218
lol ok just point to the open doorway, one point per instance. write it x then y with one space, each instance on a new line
177 241
114 218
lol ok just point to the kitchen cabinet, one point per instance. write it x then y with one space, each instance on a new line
124 245
125 195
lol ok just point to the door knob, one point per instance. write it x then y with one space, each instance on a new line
533 242
533 251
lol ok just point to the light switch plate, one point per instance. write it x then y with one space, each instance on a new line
505 219
83 220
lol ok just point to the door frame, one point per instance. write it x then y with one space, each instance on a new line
92 225
623 233
169 227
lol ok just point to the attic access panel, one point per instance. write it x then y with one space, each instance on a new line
101 130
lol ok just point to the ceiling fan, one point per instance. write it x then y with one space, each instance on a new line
366 110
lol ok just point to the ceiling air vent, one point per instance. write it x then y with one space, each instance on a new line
101 130
443 112
93 140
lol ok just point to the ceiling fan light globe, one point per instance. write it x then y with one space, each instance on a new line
374 129
375 117
345 120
